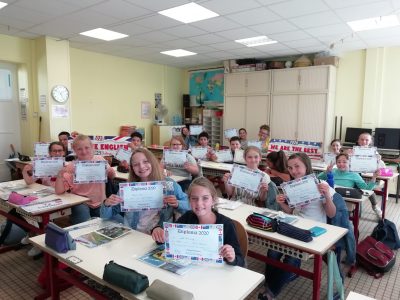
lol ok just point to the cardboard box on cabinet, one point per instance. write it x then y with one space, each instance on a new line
326 60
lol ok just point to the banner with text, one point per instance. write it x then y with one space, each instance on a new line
312 149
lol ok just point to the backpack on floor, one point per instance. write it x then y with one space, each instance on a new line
375 257
386 232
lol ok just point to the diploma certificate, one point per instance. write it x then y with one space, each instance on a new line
175 158
363 163
257 144
231 132
41 149
370 151
90 171
47 167
246 178
123 154
199 152
139 196
302 191
239 157
195 129
224 155
199 243
330 158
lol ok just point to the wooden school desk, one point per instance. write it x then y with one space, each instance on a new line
205 282
275 241
35 221
321 167
157 151
211 168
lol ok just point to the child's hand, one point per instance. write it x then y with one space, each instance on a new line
227 252
112 200
186 165
264 187
158 235
330 167
226 177
171 200
281 199
324 189
28 170
168 172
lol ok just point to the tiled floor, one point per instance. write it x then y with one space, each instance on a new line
18 272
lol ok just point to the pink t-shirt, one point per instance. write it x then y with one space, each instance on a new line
94 191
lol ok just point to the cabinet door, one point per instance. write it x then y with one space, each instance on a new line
314 79
257 114
311 118
235 84
284 117
284 81
258 82
234 112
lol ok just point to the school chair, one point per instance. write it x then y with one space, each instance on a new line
242 237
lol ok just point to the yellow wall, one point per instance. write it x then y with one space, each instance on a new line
107 92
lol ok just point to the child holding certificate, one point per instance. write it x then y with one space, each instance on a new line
243 137
136 142
202 197
267 191
203 140
299 165
277 167
145 167
189 140
95 191
190 168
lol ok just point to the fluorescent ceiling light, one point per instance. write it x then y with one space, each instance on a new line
374 23
178 53
2 4
189 13
256 41
104 34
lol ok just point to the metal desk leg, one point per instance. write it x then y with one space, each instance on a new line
397 184
384 197
317 277
356 220
54 281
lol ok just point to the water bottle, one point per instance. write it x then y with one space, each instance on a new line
330 179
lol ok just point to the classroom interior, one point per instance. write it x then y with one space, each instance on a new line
110 81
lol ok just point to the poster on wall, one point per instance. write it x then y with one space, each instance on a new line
42 103
207 87
312 149
145 110
60 111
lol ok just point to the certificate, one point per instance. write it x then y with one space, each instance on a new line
255 143
363 163
224 155
195 129
123 154
175 158
239 157
370 151
138 196
246 178
330 158
47 167
90 171
231 132
200 243
41 149
199 152
302 191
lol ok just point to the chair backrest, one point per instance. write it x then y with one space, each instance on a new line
242 237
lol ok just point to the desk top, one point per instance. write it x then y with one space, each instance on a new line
67 199
205 282
357 296
319 245
125 176
216 165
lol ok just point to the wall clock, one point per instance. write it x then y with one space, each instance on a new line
60 93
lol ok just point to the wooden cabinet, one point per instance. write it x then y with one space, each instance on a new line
161 134
247 83
299 80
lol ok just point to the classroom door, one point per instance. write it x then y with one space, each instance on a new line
9 116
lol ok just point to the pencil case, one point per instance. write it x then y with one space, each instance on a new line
292 231
260 222
125 278
159 290
19 199
58 239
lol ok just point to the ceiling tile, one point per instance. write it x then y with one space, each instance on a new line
386 33
220 55
207 39
312 49
156 36
336 29
316 20
27 15
273 27
179 44
363 11
129 28
184 31
200 49
303 43
82 3
216 24
289 36
15 23
281 53
157 5
245 51
48 7
223 7
254 16
295 8
226 45
121 10
157 22
238 33
346 3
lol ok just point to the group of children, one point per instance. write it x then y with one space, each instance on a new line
194 199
